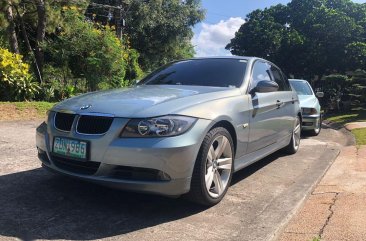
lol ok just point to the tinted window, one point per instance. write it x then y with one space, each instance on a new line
261 71
278 77
203 72
287 83
301 88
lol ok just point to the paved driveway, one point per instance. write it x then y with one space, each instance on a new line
35 204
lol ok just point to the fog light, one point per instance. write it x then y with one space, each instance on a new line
163 176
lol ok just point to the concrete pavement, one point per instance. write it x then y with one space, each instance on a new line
37 205
335 210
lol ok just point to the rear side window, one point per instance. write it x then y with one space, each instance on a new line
261 72
280 80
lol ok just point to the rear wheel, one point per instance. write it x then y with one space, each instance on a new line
294 144
213 168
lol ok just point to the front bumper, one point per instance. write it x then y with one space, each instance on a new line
153 165
310 122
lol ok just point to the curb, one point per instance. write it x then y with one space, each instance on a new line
330 153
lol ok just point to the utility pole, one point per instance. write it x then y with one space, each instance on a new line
119 19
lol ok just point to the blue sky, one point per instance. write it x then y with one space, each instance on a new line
223 19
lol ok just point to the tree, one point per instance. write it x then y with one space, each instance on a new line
13 40
92 52
160 30
306 38
268 34
356 55
29 22
41 33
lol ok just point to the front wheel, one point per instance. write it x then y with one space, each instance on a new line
318 127
213 168
294 144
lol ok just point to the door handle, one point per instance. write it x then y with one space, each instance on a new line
293 100
279 104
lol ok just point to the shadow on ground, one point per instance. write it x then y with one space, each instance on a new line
36 204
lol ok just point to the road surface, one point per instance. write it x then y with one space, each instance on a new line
35 204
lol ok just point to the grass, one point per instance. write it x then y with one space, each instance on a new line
24 110
357 114
360 135
41 107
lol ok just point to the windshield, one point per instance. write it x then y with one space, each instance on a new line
202 72
302 88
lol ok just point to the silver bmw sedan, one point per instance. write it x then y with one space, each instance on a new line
183 129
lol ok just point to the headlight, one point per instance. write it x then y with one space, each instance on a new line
158 126
309 111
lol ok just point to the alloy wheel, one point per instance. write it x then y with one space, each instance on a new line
218 166
297 133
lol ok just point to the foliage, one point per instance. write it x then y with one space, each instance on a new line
16 83
306 38
92 52
160 30
3 41
29 22
336 88
72 51
356 54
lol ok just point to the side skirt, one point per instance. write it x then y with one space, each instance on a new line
250 158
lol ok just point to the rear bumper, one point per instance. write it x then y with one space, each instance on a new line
152 165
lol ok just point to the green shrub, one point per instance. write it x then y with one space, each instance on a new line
92 52
16 83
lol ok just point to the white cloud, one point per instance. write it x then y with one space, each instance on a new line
213 38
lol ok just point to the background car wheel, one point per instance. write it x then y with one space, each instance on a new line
317 130
294 144
213 168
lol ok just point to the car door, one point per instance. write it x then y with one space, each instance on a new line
265 119
286 104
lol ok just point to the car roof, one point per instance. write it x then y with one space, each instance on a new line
228 57
250 59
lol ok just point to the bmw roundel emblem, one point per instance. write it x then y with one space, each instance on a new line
84 107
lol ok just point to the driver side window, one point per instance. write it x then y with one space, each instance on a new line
261 71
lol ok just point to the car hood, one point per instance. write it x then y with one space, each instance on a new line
308 101
144 101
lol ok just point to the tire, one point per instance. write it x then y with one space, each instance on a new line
294 144
214 163
317 130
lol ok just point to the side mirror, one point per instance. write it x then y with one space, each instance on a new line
319 94
135 82
265 86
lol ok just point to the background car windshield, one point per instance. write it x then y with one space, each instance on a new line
301 88
202 72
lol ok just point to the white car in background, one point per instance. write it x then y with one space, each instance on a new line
310 107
